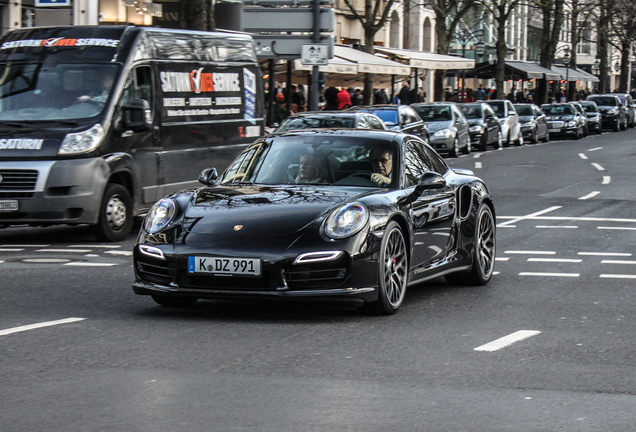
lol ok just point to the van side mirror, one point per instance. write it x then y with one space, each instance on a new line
208 176
136 115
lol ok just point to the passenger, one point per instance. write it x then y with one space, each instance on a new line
381 165
312 169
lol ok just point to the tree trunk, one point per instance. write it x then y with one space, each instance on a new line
367 93
623 85
502 50
443 46
602 49
195 15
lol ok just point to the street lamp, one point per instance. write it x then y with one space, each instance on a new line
480 48
566 62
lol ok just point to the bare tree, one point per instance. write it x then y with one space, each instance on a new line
197 15
375 16
581 11
623 30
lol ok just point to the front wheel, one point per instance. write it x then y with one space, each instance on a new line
393 270
499 141
466 150
455 150
115 214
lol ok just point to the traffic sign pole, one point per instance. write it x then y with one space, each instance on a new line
315 88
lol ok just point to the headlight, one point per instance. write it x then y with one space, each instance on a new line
571 123
613 111
346 221
444 133
82 142
475 128
160 215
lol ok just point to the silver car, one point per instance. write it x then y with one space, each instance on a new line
509 121
447 126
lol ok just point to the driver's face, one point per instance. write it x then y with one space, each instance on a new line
381 162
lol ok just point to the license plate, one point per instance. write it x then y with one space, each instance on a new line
554 130
225 266
8 205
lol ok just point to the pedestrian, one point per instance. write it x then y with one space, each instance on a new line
480 94
381 97
280 112
405 94
447 94
357 97
297 98
344 100
331 98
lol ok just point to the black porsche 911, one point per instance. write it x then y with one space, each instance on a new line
350 215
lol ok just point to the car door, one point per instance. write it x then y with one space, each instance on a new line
432 212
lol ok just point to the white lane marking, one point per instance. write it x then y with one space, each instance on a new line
597 166
590 195
507 340
549 274
502 258
129 253
606 179
582 156
476 155
1 262
558 260
65 250
530 216
618 228
39 325
506 226
10 250
622 254
88 264
46 260
556 226
531 252
595 148
477 165
96 246
617 276
617 262
24 246
568 218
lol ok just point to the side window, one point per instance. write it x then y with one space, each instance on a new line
418 159
139 86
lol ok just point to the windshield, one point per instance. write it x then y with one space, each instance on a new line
432 113
498 107
54 91
589 107
471 111
321 122
604 100
524 110
389 117
325 160
557 110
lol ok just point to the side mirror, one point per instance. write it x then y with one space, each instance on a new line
430 180
137 115
208 176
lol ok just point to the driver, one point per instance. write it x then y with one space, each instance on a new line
381 165
100 95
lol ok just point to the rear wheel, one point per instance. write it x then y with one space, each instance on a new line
393 269
115 214
174 302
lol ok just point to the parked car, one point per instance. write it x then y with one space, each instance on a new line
630 109
398 118
509 121
331 120
534 124
594 122
613 113
483 123
256 233
447 125
563 119
582 117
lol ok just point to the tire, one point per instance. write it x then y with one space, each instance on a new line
624 125
617 127
466 149
115 214
577 135
546 138
499 141
455 150
507 143
484 248
393 270
173 301
483 144
533 137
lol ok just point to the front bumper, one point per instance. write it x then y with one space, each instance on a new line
443 145
527 131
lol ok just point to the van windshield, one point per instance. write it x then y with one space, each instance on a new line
54 91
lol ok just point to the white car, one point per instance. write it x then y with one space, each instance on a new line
509 121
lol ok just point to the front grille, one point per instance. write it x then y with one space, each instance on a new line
555 125
5 195
18 179
157 271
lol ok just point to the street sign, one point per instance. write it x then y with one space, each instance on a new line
314 54
267 19
52 3
287 46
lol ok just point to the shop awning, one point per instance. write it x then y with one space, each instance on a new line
370 63
516 70
427 60
573 74
336 65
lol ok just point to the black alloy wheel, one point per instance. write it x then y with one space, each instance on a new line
393 270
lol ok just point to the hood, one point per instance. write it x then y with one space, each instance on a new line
262 210
475 122
23 140
438 125
592 114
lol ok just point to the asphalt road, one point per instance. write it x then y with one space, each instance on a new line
563 300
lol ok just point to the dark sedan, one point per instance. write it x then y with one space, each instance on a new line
331 120
484 127
563 119
398 118
613 113
350 215
534 124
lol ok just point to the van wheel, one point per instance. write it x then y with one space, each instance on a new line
115 214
